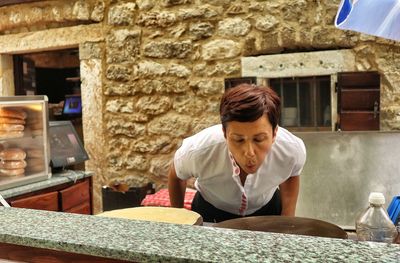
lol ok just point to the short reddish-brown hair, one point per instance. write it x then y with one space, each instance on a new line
247 103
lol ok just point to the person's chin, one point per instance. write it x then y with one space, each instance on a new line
251 169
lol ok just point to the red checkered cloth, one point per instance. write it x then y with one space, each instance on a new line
161 198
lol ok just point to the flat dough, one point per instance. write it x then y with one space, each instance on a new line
157 214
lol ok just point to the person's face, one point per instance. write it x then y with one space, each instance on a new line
249 142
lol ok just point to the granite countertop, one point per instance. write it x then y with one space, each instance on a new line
56 179
143 241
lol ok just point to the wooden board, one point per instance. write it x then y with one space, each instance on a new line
287 225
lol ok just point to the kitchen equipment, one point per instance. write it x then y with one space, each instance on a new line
66 148
286 225
24 146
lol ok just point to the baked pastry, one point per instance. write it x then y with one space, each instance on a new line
12 113
12 172
12 164
12 154
11 134
11 127
12 123
11 120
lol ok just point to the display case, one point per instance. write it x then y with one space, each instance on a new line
24 145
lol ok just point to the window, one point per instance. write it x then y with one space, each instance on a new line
232 82
305 102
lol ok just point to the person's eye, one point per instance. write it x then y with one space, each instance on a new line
259 139
238 140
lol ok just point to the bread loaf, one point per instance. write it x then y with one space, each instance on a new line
13 113
11 134
12 154
11 127
12 164
11 120
12 172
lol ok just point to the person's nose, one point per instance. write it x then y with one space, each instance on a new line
249 150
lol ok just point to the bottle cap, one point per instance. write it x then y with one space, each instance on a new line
376 198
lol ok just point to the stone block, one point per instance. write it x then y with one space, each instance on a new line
207 87
119 126
123 45
122 14
119 72
170 124
201 30
234 27
157 19
168 49
220 49
153 105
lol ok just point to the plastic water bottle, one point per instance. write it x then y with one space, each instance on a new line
374 223
397 239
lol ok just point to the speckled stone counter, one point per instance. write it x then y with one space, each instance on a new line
142 241
56 179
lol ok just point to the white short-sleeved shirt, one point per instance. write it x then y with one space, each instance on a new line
206 157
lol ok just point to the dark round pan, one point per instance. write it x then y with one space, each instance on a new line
287 225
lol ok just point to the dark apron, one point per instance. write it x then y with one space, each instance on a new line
212 214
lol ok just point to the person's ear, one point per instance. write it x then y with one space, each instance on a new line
224 131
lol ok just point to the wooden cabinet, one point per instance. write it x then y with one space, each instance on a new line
70 198
76 199
47 201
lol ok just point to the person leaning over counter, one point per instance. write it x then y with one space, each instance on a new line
245 166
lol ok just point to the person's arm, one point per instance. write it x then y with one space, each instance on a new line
289 191
176 188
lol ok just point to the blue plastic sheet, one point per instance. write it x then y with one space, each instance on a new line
374 17
394 209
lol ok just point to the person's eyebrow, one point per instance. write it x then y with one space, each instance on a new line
261 134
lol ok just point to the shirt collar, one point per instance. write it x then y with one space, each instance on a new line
235 166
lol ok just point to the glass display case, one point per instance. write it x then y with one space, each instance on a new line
24 145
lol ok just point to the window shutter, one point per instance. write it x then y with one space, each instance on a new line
358 101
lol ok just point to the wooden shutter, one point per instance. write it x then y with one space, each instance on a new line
358 101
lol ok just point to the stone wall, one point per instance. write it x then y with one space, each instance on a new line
163 64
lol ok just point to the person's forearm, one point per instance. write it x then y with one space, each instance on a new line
176 188
289 191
